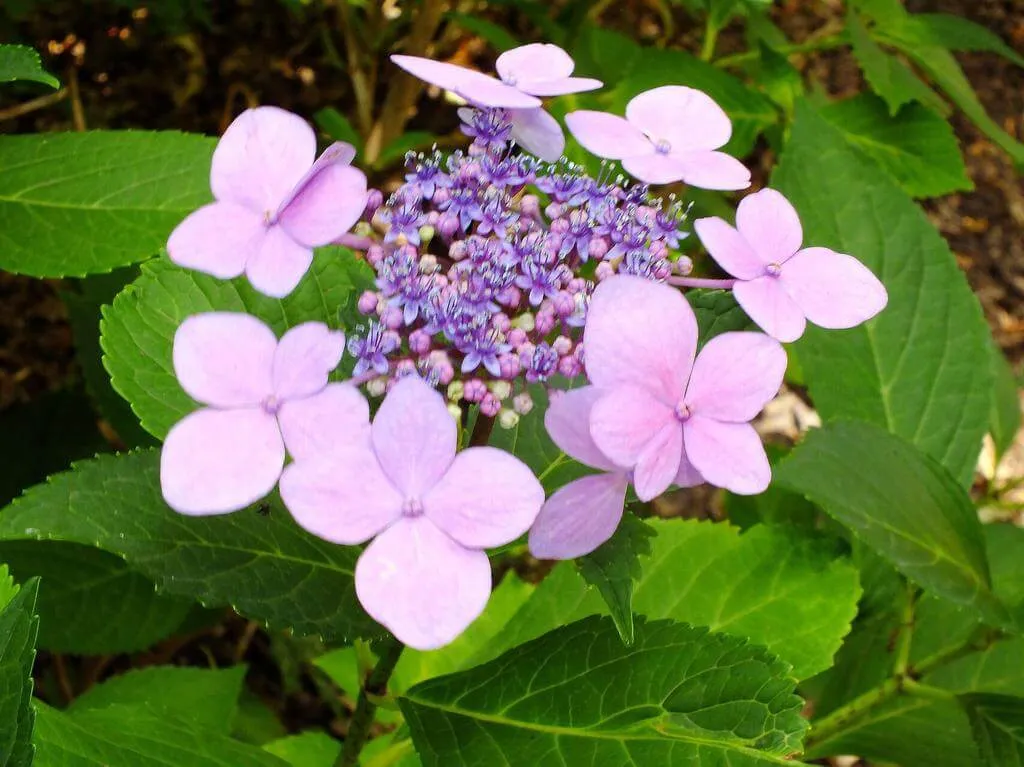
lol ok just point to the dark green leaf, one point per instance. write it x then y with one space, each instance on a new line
915 145
997 722
137 331
960 34
921 368
19 62
614 568
73 204
338 127
499 38
692 697
778 78
717 312
1004 420
264 566
18 626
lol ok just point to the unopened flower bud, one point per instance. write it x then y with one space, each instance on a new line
457 251
554 210
374 254
455 411
474 390
428 263
524 321
391 318
490 405
604 271
569 366
522 403
598 247
529 206
367 303
374 199
544 323
683 265
501 322
377 387
448 225
500 389
419 341
508 419
426 235
559 226
517 337
562 345
455 391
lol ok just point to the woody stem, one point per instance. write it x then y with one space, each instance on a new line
375 687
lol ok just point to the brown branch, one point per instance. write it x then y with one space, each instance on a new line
77 112
31 106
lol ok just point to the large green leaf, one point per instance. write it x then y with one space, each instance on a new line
265 566
18 624
128 736
307 749
73 204
998 725
207 698
921 368
19 62
915 145
717 312
678 696
901 503
788 592
137 331
960 34
90 601
1005 418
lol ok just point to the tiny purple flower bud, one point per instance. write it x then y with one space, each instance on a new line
529 206
562 345
509 366
599 246
517 337
474 390
368 301
683 265
419 341
374 254
545 322
522 403
501 322
374 199
604 271
490 405
570 367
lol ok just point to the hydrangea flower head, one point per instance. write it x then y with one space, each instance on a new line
274 204
780 285
668 134
261 395
670 414
430 511
526 72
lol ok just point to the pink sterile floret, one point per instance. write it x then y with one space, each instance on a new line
274 204
781 286
526 72
668 134
670 417
583 514
430 511
261 396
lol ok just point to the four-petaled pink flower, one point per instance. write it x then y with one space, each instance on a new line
781 286
583 514
274 204
673 418
668 134
261 395
526 72
430 511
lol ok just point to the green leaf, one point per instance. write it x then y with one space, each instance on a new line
889 77
137 331
264 566
915 145
73 204
338 127
997 722
205 697
1004 419
614 568
778 78
788 592
921 368
717 312
18 625
19 62
307 749
126 736
410 141
960 34
901 503
499 38
692 697
90 601
604 54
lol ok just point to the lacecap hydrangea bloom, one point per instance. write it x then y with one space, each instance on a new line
497 271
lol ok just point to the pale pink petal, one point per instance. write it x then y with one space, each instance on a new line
217 239
714 170
305 356
538 133
338 416
832 289
579 517
768 304
486 498
729 249
735 375
567 420
728 455
415 436
216 461
344 498
559 86
687 476
260 157
655 168
770 224
625 419
536 61
640 332
224 359
279 264
421 585
606 135
659 462
338 154
326 206
684 117
471 85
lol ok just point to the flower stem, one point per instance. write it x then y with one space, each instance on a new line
700 282
375 686
482 430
